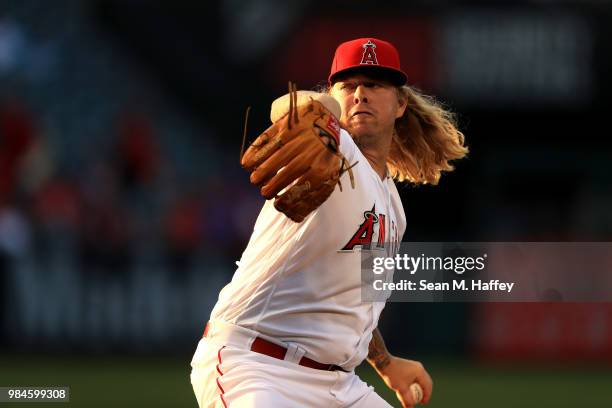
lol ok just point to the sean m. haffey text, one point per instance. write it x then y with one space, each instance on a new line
411 264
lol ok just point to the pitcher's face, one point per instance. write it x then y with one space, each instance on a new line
370 106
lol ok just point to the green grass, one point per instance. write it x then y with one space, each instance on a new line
164 382
104 382
459 384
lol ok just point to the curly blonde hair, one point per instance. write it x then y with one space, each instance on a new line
425 140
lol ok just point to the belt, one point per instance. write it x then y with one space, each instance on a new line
263 346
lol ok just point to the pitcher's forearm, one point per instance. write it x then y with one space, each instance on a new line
378 355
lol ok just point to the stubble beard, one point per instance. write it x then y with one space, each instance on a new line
362 138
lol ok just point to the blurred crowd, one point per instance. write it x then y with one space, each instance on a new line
109 177
122 198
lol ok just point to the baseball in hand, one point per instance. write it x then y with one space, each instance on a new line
417 393
280 106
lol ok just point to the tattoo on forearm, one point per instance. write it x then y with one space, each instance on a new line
378 355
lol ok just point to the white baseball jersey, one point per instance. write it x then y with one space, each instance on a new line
301 282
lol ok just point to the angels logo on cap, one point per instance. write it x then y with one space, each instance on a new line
369 55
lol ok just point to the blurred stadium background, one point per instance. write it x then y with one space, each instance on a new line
123 207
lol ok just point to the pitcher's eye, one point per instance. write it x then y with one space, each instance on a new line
347 86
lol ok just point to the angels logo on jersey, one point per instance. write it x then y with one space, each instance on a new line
334 126
369 55
365 232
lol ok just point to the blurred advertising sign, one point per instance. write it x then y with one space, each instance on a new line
558 332
516 58
548 301
306 56
57 305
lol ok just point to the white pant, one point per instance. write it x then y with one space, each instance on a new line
225 373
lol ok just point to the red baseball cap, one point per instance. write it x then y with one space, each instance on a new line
368 55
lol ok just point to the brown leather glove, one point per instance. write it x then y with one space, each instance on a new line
298 157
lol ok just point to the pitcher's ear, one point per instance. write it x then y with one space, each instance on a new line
402 104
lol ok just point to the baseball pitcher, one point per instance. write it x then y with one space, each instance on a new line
290 328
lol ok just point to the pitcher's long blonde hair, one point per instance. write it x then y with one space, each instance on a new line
425 140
